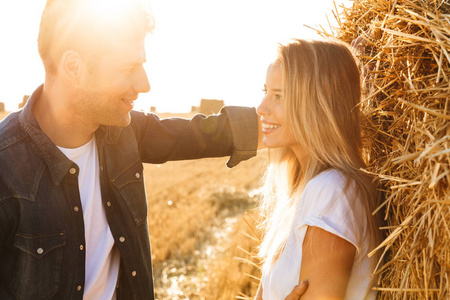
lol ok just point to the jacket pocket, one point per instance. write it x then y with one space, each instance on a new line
38 265
130 184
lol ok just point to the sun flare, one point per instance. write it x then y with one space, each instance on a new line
108 10
197 46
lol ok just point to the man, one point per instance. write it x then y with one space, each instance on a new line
73 211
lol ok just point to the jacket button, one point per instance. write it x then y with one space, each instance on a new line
81 247
79 288
101 168
138 175
72 171
40 251
108 204
121 239
76 208
133 273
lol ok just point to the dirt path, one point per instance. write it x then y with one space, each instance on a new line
184 279
195 210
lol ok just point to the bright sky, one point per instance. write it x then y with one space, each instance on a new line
199 49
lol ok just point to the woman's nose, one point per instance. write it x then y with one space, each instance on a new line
263 108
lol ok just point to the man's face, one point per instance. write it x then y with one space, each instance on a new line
110 84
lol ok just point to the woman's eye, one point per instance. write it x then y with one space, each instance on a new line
278 96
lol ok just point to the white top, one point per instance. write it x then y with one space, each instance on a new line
322 204
102 258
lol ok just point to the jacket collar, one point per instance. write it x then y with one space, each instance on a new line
57 163
112 134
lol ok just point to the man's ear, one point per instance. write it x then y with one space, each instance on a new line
71 64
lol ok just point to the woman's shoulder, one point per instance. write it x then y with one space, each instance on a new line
330 180
326 192
328 202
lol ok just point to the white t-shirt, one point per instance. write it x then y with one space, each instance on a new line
102 257
322 204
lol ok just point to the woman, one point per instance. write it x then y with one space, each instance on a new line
317 204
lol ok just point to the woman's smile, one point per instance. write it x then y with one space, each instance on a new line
268 127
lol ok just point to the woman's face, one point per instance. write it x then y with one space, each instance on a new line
275 130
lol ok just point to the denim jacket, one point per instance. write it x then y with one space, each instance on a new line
42 245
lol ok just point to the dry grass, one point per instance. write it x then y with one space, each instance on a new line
236 272
406 103
190 203
184 197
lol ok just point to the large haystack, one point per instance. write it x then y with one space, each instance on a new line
210 106
407 92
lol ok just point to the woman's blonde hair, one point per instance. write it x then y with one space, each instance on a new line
322 90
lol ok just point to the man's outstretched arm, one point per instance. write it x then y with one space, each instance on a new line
233 132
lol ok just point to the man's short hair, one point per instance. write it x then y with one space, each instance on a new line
89 27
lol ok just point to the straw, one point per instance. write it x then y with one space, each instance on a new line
406 112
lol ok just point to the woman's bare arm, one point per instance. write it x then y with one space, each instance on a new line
327 262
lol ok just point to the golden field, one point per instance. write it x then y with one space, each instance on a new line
197 231
3 114
200 242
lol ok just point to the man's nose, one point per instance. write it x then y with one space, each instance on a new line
141 84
